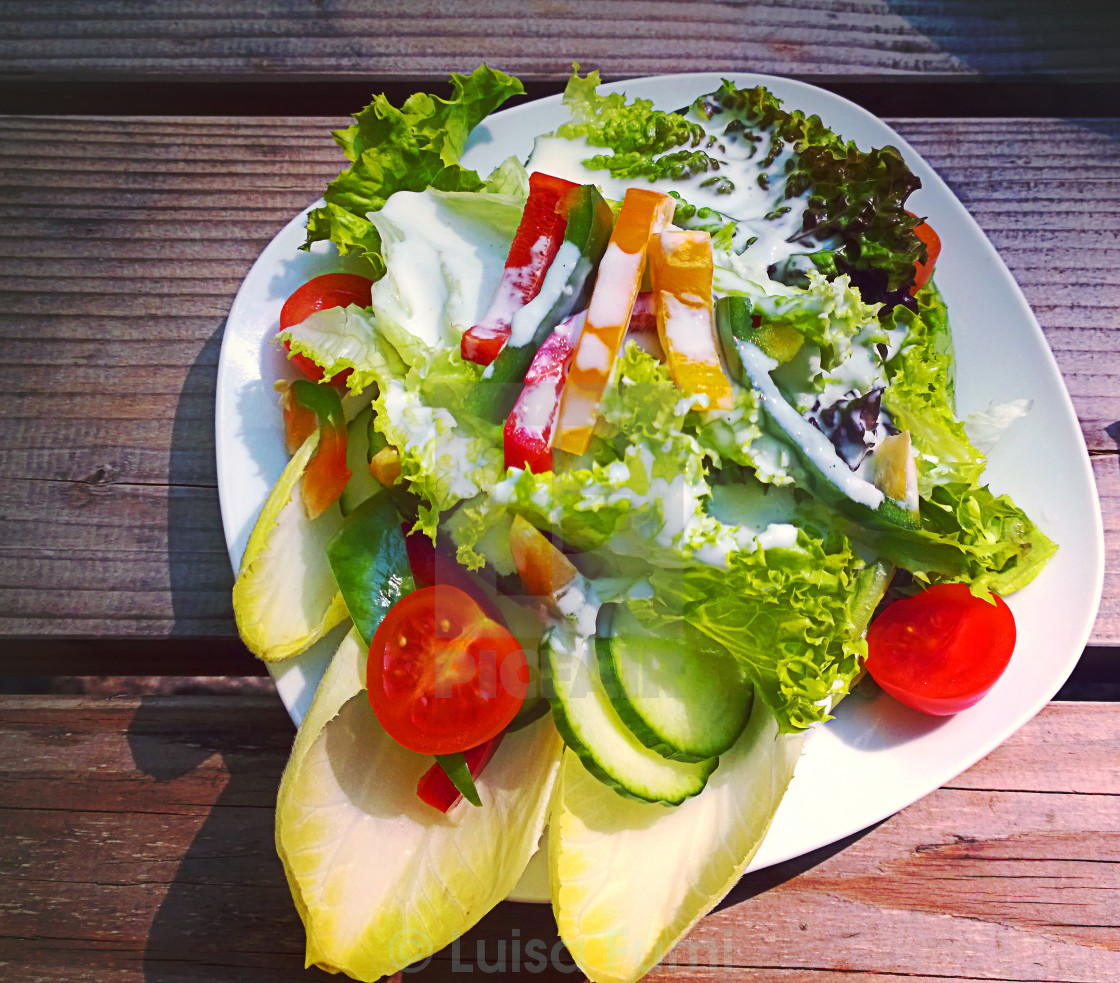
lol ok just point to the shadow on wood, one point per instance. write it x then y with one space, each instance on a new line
199 574
226 916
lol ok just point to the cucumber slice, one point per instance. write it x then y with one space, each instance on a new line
362 485
590 726
683 700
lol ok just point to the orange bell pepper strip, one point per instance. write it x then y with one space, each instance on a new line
310 406
932 241
644 213
680 270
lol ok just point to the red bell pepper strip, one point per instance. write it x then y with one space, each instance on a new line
930 239
566 288
643 318
310 406
534 247
529 427
431 566
436 789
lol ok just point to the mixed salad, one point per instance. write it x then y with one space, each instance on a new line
609 459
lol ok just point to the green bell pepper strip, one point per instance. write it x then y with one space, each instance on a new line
370 563
887 528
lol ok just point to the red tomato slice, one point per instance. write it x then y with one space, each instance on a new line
443 677
320 294
941 650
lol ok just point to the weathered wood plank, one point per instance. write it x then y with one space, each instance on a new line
119 260
540 40
138 846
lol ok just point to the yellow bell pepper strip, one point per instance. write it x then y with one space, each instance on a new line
528 431
565 289
534 246
643 213
385 466
309 406
680 271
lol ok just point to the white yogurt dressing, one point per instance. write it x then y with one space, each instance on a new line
748 203
442 266
815 445
688 328
612 302
525 321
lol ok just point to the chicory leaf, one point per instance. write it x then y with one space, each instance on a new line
348 806
631 878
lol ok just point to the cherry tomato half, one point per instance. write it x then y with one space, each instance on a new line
320 294
442 676
941 650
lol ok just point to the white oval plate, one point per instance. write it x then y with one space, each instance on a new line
876 757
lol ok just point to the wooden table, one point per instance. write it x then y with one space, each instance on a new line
148 153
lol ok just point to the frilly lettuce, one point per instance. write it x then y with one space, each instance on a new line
442 462
343 338
642 488
852 200
827 313
786 615
348 807
1002 549
408 149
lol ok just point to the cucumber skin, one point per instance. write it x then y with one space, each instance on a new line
630 717
582 751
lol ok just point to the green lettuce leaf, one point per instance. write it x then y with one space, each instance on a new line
853 220
444 254
408 149
342 338
827 313
786 615
1002 548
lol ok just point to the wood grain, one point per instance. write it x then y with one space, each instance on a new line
540 39
119 259
137 845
